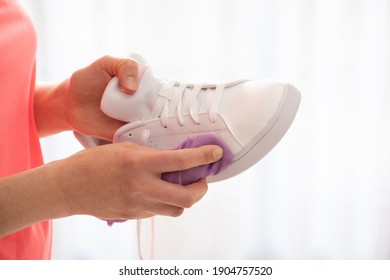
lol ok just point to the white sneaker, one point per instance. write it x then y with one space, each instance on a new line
250 117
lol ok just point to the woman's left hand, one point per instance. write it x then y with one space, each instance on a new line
84 92
75 103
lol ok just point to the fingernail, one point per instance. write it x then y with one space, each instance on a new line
218 153
131 83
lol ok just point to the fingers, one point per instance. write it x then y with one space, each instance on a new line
146 193
165 199
176 160
179 196
162 209
110 127
125 68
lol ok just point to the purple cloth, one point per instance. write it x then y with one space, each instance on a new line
192 175
186 177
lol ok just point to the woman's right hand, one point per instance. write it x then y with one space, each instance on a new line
113 182
122 181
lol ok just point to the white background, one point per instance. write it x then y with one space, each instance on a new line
322 193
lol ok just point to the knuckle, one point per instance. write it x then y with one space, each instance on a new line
177 212
203 188
187 202
122 158
208 156
212 154
181 162
128 63
128 161
131 62
105 57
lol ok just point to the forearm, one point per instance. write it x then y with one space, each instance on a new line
30 197
50 108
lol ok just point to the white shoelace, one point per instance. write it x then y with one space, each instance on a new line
139 227
170 101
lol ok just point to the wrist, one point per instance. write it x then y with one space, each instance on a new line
50 108
30 197
62 181
68 176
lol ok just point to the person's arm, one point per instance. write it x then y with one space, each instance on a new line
116 181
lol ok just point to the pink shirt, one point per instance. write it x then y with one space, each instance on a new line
19 141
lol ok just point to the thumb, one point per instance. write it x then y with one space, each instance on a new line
128 76
125 68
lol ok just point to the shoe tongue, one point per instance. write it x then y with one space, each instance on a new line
132 107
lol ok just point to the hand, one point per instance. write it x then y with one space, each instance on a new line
122 181
112 182
84 91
